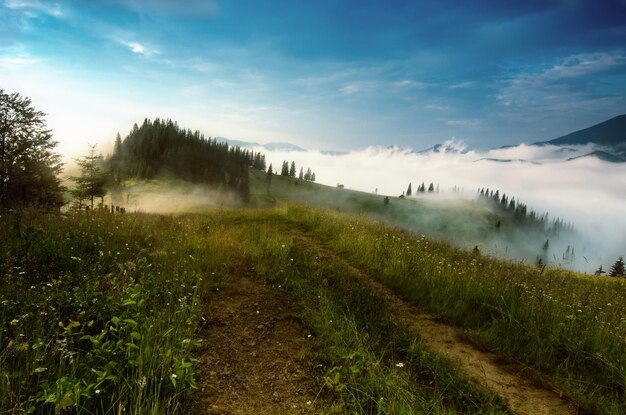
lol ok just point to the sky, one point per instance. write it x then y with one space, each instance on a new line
325 75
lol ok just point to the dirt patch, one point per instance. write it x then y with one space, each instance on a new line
251 358
521 393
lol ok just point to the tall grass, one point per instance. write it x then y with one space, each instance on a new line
98 313
570 326
364 362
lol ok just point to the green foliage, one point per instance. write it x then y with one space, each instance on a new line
98 312
161 145
29 165
92 180
617 270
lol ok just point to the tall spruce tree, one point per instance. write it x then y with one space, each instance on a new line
29 165
617 270
292 169
409 191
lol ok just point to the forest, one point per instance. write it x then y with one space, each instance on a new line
161 145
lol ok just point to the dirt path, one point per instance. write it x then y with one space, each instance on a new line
250 359
522 395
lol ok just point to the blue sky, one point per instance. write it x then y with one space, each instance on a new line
327 74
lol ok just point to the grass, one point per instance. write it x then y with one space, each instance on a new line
463 223
99 313
567 325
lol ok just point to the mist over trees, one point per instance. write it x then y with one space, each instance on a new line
162 146
29 165
521 215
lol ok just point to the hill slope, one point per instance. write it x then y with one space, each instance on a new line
465 223
609 133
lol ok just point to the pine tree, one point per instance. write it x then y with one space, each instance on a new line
617 270
292 169
284 171
92 180
301 175
313 176
431 188
409 191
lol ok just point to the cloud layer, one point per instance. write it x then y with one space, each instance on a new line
586 192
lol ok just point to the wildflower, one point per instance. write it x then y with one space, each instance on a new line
399 364
14 321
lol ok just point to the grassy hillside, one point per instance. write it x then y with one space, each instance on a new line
462 222
101 313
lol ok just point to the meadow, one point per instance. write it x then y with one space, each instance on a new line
103 313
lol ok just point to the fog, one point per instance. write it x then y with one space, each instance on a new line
167 196
588 192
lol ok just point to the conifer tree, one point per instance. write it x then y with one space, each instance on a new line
92 180
292 169
409 191
284 171
301 175
270 173
617 270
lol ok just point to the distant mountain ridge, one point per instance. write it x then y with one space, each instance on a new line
276 146
608 133
605 141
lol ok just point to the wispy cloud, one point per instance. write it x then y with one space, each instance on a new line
171 7
569 83
471 123
17 62
407 84
49 8
581 65
462 85
141 49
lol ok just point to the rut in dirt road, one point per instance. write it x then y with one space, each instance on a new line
250 359
521 393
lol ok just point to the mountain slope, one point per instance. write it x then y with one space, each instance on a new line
609 133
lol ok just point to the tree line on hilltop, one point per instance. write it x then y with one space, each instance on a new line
161 145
